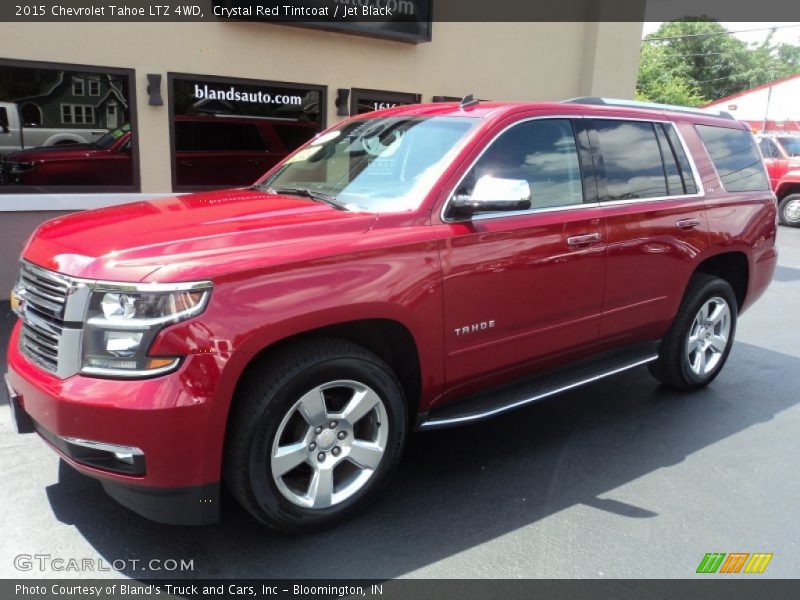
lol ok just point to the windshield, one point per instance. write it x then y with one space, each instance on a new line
382 164
105 142
791 145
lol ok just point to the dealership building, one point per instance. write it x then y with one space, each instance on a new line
179 107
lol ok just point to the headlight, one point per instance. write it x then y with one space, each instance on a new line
19 167
122 322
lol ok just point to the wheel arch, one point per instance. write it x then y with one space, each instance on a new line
734 268
389 339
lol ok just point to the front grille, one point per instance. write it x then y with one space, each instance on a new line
44 295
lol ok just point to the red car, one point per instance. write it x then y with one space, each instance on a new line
210 151
782 159
105 162
415 268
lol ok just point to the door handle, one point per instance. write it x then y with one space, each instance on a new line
688 223
578 240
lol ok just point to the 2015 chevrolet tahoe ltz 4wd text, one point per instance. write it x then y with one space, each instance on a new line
414 268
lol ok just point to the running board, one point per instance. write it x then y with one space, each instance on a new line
499 400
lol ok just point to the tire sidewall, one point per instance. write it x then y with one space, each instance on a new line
264 490
714 288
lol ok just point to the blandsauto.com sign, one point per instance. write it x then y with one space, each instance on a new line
234 94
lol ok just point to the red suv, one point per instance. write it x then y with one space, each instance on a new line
782 159
415 268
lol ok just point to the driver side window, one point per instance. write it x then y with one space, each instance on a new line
543 153
768 148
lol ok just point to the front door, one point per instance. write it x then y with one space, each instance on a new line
524 286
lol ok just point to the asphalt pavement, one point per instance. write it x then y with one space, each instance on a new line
619 479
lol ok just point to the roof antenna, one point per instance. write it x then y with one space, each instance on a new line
468 100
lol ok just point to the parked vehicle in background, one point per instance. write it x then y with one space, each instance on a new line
15 134
419 267
105 162
782 159
227 150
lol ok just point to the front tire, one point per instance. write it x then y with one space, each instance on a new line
315 434
789 210
699 341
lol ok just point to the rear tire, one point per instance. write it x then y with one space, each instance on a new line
699 341
789 210
315 434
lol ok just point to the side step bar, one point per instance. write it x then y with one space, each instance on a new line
499 400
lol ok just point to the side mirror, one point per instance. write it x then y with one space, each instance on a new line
492 194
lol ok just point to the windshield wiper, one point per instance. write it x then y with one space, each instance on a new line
308 193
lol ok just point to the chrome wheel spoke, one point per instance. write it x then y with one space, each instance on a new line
365 455
288 457
312 407
320 490
718 343
362 402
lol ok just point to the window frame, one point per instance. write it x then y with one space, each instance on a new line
89 90
603 198
78 81
588 173
73 197
173 76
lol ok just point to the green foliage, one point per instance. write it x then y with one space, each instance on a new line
700 63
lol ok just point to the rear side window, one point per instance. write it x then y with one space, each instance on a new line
217 137
768 148
632 159
3 117
736 158
689 185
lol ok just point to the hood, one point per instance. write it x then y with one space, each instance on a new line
53 153
195 236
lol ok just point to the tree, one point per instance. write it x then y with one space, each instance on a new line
695 60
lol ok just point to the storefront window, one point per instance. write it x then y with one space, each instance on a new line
52 120
229 132
365 101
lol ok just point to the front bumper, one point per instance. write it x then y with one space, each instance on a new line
170 420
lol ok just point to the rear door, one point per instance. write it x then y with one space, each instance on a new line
655 220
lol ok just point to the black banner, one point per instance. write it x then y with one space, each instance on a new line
403 18
400 589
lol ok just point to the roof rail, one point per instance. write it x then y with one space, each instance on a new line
650 105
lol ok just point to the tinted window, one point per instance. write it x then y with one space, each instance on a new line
542 152
3 117
768 148
674 180
689 185
193 136
734 153
632 159
791 145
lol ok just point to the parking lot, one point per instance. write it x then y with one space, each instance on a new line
622 478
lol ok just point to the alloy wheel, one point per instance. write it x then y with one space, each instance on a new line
329 444
709 336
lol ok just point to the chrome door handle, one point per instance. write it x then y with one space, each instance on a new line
688 223
578 240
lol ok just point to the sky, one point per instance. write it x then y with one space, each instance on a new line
788 33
